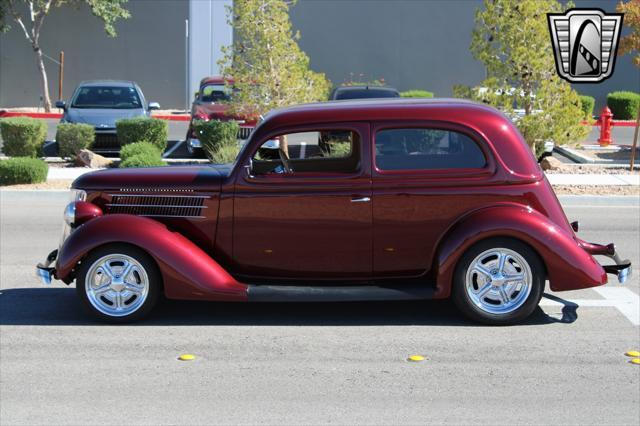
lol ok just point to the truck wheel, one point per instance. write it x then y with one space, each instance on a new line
499 281
118 283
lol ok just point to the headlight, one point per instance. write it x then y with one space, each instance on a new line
70 213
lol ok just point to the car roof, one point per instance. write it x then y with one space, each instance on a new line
488 122
116 83
215 79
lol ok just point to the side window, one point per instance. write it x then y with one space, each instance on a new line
326 151
426 149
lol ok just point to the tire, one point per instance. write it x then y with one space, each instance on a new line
111 294
486 294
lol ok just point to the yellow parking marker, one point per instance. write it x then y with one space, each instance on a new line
186 357
415 358
634 354
635 361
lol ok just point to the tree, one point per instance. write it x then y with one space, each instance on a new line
267 66
630 44
511 38
30 16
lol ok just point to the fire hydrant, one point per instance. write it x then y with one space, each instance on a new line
606 121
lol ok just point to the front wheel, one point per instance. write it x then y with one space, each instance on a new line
118 283
499 281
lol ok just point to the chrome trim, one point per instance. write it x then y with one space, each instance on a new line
159 195
152 205
361 200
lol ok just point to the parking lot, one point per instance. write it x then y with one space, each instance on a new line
313 363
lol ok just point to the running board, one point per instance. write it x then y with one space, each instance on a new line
285 293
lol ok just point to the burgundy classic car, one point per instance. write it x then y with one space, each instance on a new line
365 200
210 104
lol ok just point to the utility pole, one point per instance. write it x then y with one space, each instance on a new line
60 75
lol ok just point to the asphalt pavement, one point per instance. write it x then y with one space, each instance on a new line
313 363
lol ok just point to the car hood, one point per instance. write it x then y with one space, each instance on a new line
197 178
101 118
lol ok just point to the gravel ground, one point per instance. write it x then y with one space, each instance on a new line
51 184
584 169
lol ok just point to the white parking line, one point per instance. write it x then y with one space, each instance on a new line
173 148
623 299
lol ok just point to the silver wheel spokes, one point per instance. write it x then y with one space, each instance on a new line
116 285
498 281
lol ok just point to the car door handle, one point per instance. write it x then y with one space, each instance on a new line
361 200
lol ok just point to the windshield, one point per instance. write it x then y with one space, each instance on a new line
107 97
365 93
215 93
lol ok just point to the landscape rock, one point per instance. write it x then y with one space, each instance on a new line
88 158
551 163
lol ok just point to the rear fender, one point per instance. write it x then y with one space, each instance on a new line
187 271
569 266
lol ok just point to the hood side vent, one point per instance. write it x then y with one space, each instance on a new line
157 205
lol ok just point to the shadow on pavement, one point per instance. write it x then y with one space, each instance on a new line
60 307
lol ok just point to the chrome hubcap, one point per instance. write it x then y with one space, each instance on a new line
116 285
498 281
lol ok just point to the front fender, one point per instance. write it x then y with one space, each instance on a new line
569 266
187 271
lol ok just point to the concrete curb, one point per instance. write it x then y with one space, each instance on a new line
574 155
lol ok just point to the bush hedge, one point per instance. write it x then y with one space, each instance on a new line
219 139
152 130
143 160
139 148
23 170
416 94
588 103
624 105
72 138
23 136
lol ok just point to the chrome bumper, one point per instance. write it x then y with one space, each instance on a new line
44 271
622 268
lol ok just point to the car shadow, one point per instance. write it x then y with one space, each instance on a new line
60 307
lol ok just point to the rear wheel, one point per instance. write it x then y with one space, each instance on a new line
118 283
499 281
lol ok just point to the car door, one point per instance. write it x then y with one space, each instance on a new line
314 222
426 175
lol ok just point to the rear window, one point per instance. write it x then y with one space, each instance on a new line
107 97
365 94
426 149
215 93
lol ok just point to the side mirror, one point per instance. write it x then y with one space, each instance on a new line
153 105
195 95
61 105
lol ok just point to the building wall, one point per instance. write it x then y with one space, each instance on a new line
412 44
149 49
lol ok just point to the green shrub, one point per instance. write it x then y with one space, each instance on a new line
23 170
143 160
72 138
225 154
153 130
138 148
23 136
587 102
624 105
416 94
218 138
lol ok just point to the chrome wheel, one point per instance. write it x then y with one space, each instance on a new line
116 285
498 281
